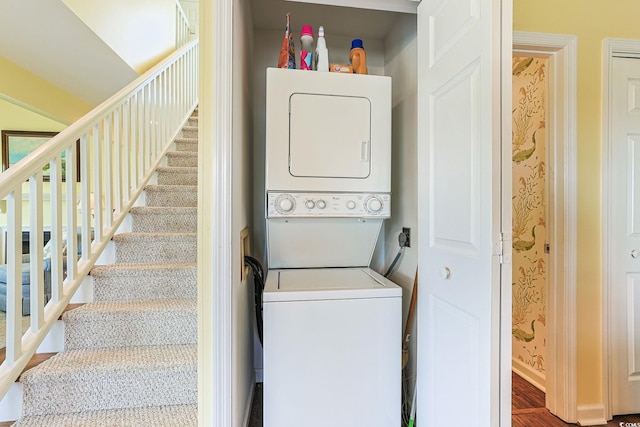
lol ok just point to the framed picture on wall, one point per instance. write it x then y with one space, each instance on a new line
18 144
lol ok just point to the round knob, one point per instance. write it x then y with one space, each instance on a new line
321 204
374 205
285 204
635 253
310 204
351 204
445 273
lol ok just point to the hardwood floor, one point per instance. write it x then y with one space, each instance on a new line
527 409
527 406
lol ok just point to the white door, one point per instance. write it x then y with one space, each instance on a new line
460 93
625 238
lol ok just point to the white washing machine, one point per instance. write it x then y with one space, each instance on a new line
332 326
332 352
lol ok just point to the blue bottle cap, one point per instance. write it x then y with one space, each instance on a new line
357 43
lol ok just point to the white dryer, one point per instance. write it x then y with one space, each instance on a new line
327 132
332 326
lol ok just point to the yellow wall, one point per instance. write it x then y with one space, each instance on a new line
145 33
591 21
21 85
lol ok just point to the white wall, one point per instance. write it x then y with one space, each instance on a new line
243 313
145 33
401 63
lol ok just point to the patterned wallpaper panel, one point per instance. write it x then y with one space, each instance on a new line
529 219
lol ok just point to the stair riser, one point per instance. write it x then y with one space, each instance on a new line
117 289
177 177
112 286
190 132
161 198
121 329
187 145
182 161
161 250
186 222
193 121
165 416
117 388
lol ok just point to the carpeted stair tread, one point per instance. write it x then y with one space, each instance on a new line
182 159
109 378
165 416
171 195
140 281
168 175
133 322
164 219
190 131
155 247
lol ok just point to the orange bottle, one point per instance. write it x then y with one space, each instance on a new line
358 57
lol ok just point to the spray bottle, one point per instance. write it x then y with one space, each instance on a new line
322 53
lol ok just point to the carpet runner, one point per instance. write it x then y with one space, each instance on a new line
130 356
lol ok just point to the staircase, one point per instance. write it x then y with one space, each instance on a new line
130 356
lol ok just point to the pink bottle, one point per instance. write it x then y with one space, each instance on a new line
306 50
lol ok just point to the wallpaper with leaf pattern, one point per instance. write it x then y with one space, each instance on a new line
529 221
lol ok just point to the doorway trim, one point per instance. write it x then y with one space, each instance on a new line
611 48
561 378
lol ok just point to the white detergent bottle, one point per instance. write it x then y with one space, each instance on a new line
322 53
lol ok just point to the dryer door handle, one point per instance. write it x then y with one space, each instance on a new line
364 151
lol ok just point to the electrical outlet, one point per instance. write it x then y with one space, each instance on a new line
407 233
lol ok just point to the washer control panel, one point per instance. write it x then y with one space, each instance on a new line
328 205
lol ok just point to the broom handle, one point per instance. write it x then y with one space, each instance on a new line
412 307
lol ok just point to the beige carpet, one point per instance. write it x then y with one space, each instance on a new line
130 356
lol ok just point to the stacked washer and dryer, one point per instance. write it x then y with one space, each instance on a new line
332 326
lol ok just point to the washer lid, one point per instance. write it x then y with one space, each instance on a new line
327 284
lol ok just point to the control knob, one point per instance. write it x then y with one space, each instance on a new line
351 204
310 204
321 204
373 205
285 204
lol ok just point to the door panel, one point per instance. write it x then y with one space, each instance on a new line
625 210
453 220
459 144
633 320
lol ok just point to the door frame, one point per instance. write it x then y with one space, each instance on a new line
612 47
561 357
215 214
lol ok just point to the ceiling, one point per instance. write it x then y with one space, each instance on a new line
339 20
47 39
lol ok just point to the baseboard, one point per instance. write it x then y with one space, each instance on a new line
532 376
54 341
591 415
84 294
11 404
